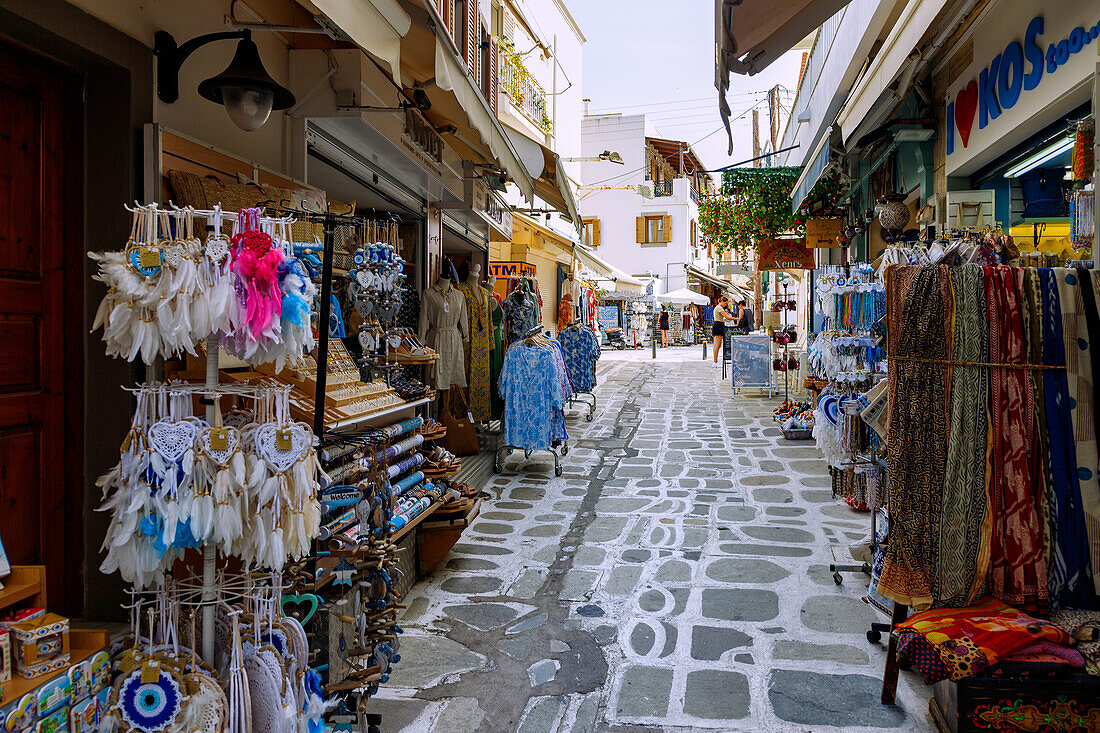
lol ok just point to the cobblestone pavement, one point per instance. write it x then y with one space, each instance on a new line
673 579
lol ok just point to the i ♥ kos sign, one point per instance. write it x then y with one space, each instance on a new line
1011 90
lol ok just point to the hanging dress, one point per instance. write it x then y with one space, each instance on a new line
476 349
496 357
444 325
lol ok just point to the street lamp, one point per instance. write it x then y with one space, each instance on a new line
245 89
607 155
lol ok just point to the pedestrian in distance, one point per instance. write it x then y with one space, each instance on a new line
662 323
718 330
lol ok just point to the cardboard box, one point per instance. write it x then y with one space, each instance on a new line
40 640
5 657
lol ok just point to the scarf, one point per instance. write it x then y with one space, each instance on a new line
963 557
917 439
1068 559
1017 567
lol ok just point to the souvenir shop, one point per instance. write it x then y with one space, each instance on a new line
258 461
952 391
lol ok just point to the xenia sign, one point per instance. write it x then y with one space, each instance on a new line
1020 67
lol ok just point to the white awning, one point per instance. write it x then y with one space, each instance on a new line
812 172
684 297
898 51
751 34
592 262
376 26
545 169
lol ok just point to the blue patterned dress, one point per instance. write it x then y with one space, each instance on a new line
520 316
580 349
534 385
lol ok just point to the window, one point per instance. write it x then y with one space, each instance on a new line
592 233
655 229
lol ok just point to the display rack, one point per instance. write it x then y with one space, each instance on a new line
498 460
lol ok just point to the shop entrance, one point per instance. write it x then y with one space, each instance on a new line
41 320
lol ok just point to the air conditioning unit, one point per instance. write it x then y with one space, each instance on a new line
644 190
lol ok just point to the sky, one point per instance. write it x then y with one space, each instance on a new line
657 57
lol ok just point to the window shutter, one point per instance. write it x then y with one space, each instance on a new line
472 27
639 225
494 73
666 228
596 233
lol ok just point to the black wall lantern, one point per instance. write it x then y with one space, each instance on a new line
245 89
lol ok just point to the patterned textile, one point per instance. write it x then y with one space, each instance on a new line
963 558
496 358
581 348
1072 620
1068 560
409 312
917 440
476 350
1017 566
1041 476
520 316
533 383
968 640
565 312
1081 391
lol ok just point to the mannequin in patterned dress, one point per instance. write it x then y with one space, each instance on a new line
478 346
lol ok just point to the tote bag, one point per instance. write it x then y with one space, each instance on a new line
461 437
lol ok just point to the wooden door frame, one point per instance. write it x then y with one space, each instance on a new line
61 525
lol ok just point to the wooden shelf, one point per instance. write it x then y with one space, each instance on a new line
25 581
396 536
372 416
83 643
458 521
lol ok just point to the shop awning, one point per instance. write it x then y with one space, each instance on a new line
812 172
622 283
376 26
899 53
545 169
706 277
588 258
751 34
684 297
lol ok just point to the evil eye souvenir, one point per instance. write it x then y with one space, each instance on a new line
149 706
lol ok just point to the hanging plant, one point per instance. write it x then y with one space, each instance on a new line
755 204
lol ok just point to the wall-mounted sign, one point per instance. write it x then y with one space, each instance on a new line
421 132
733 268
823 232
488 205
784 254
502 270
1018 79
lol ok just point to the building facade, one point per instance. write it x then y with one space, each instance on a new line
643 216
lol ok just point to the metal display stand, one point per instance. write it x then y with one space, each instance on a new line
498 460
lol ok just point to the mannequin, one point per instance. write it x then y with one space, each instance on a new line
476 352
443 326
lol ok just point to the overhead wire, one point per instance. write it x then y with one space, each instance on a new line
692 144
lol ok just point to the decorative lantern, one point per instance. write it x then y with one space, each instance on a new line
894 214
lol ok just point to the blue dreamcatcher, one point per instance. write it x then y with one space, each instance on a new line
149 706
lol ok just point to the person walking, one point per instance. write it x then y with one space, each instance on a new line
718 330
662 323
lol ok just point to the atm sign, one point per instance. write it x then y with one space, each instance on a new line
501 270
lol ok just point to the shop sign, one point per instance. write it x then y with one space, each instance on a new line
784 254
422 140
488 205
1008 86
823 232
733 268
504 270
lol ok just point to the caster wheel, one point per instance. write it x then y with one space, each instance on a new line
873 636
837 578
565 450
588 418
557 470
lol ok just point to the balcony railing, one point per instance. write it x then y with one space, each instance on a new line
694 195
662 188
524 92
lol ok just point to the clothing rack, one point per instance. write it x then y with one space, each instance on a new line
585 398
498 460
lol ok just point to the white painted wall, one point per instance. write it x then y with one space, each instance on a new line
618 207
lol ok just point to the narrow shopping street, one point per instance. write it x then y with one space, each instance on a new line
674 578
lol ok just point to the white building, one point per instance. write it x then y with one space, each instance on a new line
643 216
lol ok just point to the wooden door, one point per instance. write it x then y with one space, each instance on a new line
41 321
